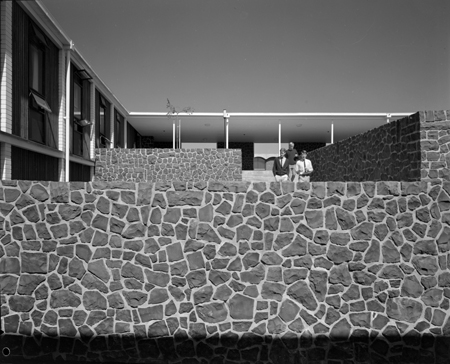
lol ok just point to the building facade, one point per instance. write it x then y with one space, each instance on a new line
54 109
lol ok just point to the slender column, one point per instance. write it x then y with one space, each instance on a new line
332 133
111 126
226 120
67 117
125 133
173 134
6 67
5 161
93 118
279 134
62 112
5 85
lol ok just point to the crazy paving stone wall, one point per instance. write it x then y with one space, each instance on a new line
159 165
225 272
410 149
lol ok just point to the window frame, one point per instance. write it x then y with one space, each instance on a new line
118 125
77 128
37 104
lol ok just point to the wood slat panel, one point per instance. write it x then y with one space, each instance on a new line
20 71
32 166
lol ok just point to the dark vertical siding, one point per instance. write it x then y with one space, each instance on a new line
79 172
132 137
120 141
32 166
21 26
20 71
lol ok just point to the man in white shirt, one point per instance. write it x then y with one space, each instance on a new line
303 167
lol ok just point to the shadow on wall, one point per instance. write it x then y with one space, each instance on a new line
194 347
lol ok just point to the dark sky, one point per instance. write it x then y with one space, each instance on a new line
266 55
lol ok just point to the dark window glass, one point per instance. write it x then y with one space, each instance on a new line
36 123
36 68
102 120
77 116
77 101
37 105
118 129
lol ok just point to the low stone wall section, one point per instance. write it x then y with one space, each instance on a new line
390 152
435 145
160 165
225 272
410 149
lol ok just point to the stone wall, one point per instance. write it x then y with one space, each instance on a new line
410 149
435 145
390 152
225 272
160 165
247 152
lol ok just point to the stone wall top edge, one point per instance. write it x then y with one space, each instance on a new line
434 115
169 149
392 188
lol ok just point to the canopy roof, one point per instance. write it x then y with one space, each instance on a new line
259 127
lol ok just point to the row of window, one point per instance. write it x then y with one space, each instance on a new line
39 109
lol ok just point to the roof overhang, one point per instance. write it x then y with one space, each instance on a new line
258 127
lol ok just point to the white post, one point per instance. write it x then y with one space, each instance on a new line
388 118
125 133
67 151
112 124
332 133
6 100
279 135
92 115
173 134
226 124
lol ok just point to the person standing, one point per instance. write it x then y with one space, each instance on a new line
280 167
304 167
291 155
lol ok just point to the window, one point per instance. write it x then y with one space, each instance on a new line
37 105
118 131
102 121
77 115
36 71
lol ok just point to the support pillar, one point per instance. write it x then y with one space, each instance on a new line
67 117
112 135
93 127
173 134
332 133
226 121
6 10
6 67
5 161
279 135
125 134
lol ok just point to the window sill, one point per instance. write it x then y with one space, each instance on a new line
78 159
30 145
